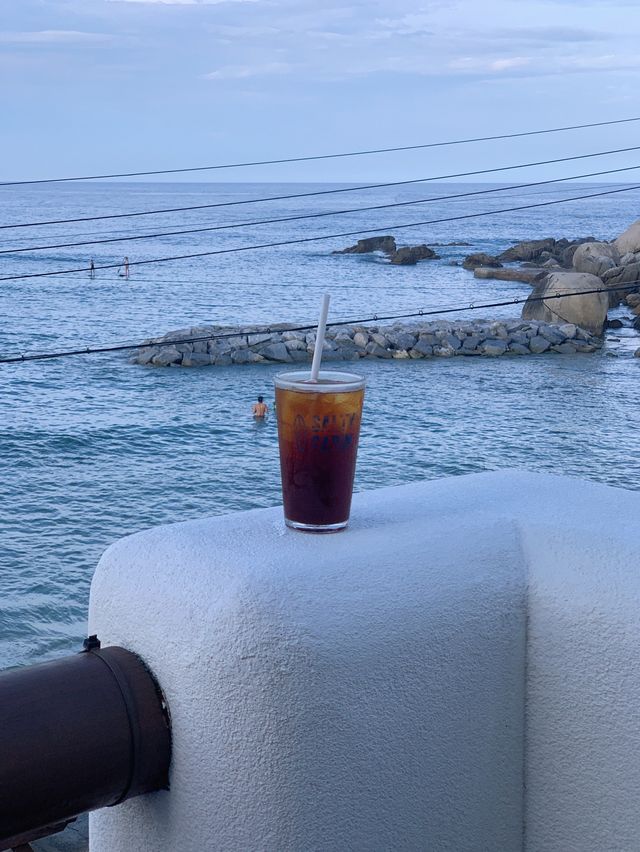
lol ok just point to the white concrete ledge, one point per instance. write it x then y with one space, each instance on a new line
396 686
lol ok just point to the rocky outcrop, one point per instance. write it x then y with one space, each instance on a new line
527 250
626 277
527 276
410 255
629 240
473 261
223 346
387 244
595 258
542 251
587 311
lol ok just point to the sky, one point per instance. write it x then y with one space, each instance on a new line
92 86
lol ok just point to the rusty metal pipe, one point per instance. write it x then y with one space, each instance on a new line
77 734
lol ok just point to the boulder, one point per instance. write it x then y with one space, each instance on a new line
166 356
538 344
621 276
527 276
386 244
588 311
410 255
629 240
276 352
528 250
595 258
472 261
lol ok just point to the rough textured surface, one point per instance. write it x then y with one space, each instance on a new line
343 343
370 690
588 311
629 240
595 258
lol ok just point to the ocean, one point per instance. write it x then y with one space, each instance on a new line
95 448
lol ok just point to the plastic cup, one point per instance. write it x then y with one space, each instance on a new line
318 431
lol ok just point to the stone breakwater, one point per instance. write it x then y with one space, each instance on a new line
283 344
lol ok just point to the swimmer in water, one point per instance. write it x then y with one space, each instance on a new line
260 409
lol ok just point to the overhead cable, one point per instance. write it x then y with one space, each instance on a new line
319 192
323 214
146 344
325 156
319 237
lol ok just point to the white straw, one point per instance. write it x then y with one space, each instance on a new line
322 326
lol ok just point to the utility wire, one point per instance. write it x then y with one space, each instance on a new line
317 238
146 344
319 192
148 229
236 225
325 156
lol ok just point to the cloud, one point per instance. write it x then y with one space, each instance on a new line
480 65
183 2
244 72
53 37
549 34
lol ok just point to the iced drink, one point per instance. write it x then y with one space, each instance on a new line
318 430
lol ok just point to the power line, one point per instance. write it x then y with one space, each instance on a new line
326 156
120 347
319 192
317 238
236 225
145 230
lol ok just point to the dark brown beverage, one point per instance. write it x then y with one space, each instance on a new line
318 431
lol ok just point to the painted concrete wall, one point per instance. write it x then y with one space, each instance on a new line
393 686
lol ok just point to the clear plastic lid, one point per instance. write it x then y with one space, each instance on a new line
329 381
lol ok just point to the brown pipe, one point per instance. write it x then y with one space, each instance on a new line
77 734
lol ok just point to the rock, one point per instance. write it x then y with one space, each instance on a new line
197 359
552 263
422 347
565 348
255 339
401 354
527 250
299 335
470 343
146 355
552 334
473 261
386 244
374 350
629 240
451 341
494 347
380 339
166 356
587 311
636 354
621 276
527 276
276 352
595 258
223 360
295 344
243 356
299 355
568 330
633 300
614 323
412 254
538 344
402 340
519 349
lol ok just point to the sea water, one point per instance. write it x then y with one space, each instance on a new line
94 448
